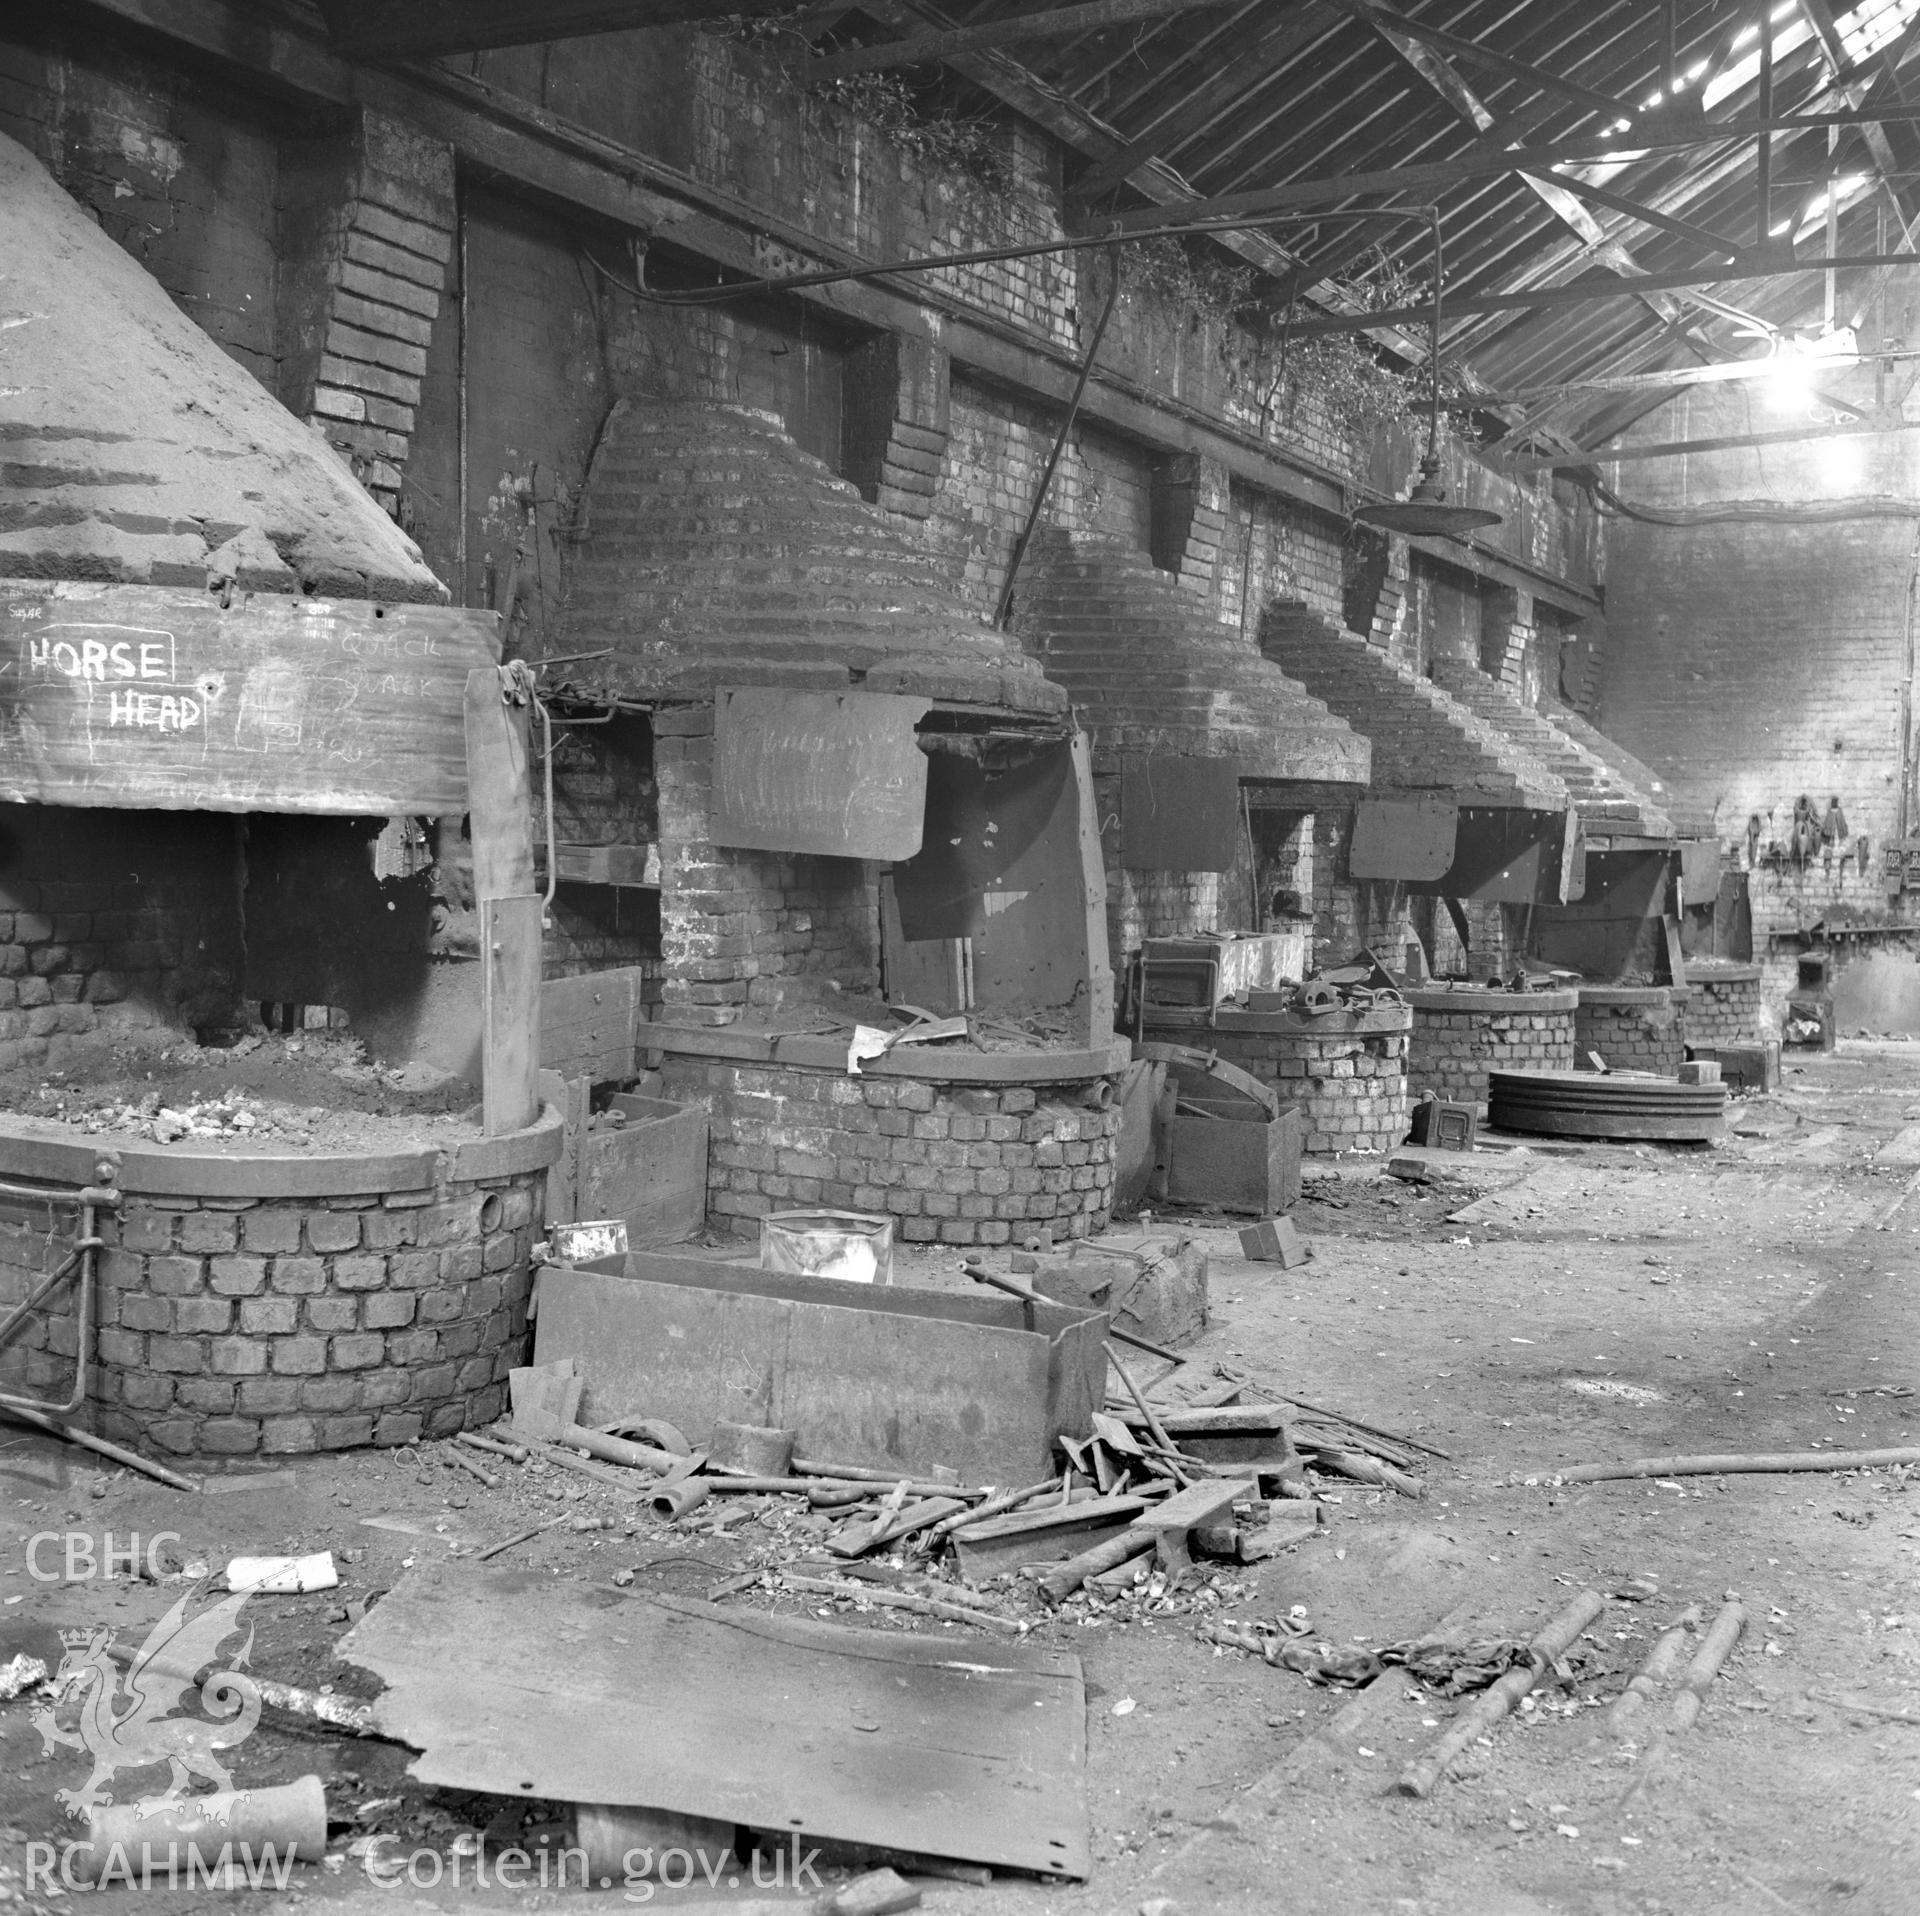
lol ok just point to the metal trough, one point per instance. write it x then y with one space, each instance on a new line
891 1378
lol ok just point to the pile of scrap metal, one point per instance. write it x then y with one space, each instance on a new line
1521 979
1198 975
913 1452
967 1441
1364 985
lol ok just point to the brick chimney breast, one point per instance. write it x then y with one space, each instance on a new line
1609 804
713 552
1151 672
1424 739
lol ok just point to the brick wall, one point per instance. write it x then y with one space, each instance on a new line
1723 1008
744 929
1164 904
113 925
238 1327
1270 550
1633 1029
948 1165
1751 663
999 445
1458 1037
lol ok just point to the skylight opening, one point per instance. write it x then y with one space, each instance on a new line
1873 26
1745 70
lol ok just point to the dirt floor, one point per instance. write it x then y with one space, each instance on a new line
1594 1302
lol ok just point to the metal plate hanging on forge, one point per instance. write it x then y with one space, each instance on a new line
1593 1104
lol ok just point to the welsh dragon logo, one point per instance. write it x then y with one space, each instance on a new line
126 1722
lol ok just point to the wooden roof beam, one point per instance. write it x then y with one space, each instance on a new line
425 29
997 75
1485 161
1196 112
1472 53
1054 24
1826 32
1562 197
1645 214
1733 442
1589 291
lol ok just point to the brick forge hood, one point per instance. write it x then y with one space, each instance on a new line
715 552
135 449
1611 803
1426 743
1150 672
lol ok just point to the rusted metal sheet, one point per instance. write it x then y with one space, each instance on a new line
515 1685
1511 855
1239 1164
587 1023
1403 838
652 1171
886 1377
839 773
142 696
1180 813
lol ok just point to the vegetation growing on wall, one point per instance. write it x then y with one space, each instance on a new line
970 144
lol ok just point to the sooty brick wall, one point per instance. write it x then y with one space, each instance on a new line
744 929
1459 1036
949 1164
113 924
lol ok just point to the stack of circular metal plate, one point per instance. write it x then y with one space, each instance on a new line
1605 1104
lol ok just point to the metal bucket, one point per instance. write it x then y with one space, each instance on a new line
843 1244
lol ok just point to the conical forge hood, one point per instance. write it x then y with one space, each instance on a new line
715 552
132 449
1150 673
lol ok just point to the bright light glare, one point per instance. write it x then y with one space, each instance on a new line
1840 461
1798 362
1874 24
1789 384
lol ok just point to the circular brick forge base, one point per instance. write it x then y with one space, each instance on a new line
272 1306
1347 1071
1459 1035
1632 1027
1023 1142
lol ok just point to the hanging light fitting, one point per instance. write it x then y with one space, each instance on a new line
1425 511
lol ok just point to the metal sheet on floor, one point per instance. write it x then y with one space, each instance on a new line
515 1684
